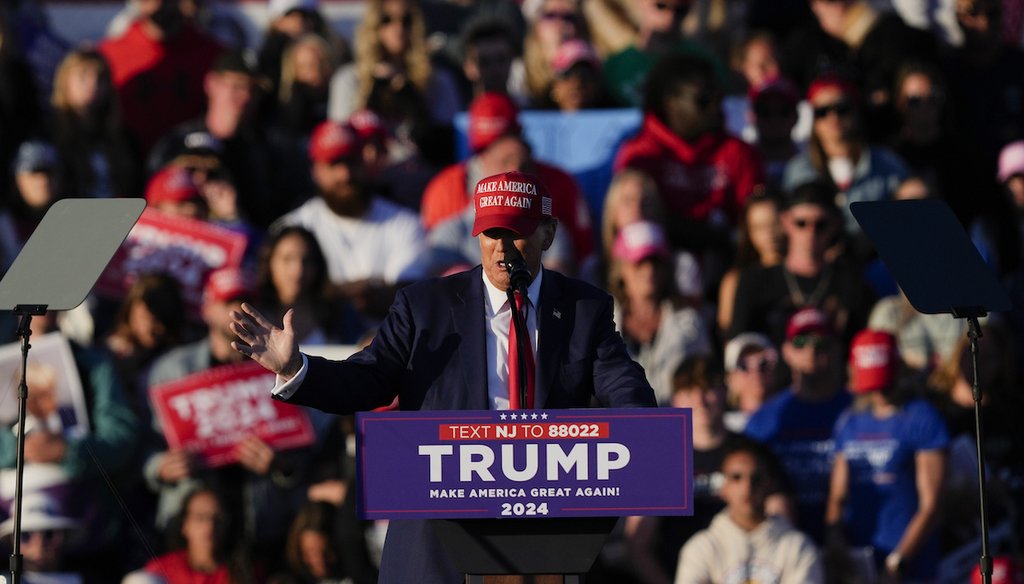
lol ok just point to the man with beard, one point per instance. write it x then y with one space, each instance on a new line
157 67
371 244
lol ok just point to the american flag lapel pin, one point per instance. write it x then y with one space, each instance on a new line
556 312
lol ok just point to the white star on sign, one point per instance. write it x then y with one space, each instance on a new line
503 416
534 416
544 416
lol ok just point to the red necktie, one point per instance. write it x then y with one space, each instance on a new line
513 362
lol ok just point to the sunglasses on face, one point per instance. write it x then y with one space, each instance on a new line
813 341
564 16
756 363
840 108
405 19
815 224
47 535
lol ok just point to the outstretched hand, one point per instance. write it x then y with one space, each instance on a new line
272 347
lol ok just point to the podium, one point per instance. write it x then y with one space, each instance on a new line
530 493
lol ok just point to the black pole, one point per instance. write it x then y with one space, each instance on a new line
24 331
985 562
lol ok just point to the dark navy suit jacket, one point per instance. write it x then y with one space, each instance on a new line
431 352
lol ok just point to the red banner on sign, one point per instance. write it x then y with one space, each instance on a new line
187 249
210 412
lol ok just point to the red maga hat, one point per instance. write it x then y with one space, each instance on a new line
333 141
172 184
491 116
874 361
514 200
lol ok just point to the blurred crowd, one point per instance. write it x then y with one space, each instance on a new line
833 425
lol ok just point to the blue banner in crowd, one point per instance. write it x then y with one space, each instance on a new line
536 463
583 143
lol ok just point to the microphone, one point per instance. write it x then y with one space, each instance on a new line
518 275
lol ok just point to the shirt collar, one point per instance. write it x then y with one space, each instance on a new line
496 299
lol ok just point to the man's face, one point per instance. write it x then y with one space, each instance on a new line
494 242
229 90
707 403
831 15
810 354
506 154
340 184
488 64
217 316
808 227
693 109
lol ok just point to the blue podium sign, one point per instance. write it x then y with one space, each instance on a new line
525 463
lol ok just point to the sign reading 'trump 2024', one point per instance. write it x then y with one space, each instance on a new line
525 463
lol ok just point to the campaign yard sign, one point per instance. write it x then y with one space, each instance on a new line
209 413
524 463
187 249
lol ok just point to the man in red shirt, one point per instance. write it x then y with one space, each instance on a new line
157 67
496 140
702 173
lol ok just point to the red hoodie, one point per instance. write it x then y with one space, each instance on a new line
704 181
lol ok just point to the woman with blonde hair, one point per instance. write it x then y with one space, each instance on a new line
306 69
99 158
392 74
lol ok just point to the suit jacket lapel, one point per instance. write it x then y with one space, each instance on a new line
553 324
468 321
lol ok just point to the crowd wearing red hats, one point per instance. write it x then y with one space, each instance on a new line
326 163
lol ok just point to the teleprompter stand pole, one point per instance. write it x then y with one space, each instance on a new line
25 312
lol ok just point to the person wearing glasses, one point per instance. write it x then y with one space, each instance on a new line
812 272
797 424
744 543
751 377
839 152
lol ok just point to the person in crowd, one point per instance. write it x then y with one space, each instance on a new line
497 143
265 487
99 158
756 59
37 185
925 341
797 424
424 356
393 76
553 23
227 138
577 83
311 549
951 388
744 543
659 329
654 542
288 20
703 174
751 377
983 80
89 459
926 139
887 472
158 64
759 243
371 244
201 545
306 69
292 275
148 324
839 152
808 275
658 34
20 112
774 113
47 531
490 60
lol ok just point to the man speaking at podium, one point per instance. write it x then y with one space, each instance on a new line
444 345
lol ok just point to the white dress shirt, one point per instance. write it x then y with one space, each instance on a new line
498 316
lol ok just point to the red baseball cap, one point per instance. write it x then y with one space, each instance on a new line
333 141
172 184
368 127
831 80
571 52
807 321
874 361
227 284
491 116
514 200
